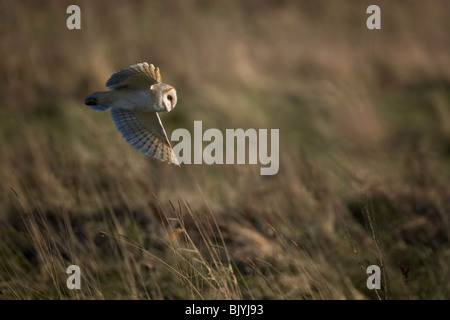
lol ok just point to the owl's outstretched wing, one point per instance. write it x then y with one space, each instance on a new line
141 75
144 131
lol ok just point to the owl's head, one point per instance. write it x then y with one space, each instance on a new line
166 96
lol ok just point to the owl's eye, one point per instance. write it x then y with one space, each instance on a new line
169 97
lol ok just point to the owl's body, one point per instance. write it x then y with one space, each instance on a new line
127 99
136 95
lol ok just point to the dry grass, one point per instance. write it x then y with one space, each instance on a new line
364 152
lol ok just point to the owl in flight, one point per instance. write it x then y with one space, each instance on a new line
136 95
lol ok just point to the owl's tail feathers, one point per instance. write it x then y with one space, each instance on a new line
96 101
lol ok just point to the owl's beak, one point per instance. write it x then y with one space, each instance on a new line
169 108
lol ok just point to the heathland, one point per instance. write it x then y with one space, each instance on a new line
364 164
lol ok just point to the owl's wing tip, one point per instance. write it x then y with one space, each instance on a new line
170 162
175 161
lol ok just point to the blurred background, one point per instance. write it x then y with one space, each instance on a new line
364 122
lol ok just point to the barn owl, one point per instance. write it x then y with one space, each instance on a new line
136 95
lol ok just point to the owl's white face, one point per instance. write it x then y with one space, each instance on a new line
169 99
165 96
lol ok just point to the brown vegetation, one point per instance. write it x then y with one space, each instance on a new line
364 125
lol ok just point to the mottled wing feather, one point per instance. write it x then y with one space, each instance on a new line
141 75
144 131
